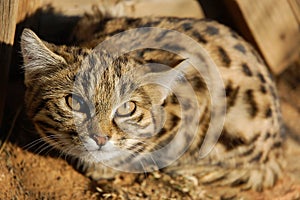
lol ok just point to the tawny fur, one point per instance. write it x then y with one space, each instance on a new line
248 152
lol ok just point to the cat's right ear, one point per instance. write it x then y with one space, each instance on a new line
38 58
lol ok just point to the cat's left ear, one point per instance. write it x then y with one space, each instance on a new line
34 50
38 58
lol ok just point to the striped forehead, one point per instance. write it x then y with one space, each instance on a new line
100 80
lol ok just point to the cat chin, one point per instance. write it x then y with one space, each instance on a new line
106 153
90 145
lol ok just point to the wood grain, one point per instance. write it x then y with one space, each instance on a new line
132 8
8 19
27 8
273 26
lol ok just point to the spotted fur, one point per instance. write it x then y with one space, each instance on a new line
248 152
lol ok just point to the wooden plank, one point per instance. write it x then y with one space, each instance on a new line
273 27
132 8
177 8
27 8
295 6
8 19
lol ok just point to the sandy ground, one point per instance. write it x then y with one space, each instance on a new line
35 172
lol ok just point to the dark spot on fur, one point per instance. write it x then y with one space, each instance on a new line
229 141
231 94
246 69
161 132
250 100
174 119
240 48
257 157
173 47
133 20
211 30
269 112
255 138
277 144
164 103
267 136
261 78
199 37
163 140
161 35
152 23
187 26
131 148
266 159
238 182
140 117
204 116
263 89
248 152
224 56
198 83
174 99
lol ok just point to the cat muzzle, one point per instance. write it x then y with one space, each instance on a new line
100 140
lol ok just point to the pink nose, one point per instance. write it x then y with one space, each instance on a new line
99 139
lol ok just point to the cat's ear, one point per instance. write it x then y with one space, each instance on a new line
38 58
167 82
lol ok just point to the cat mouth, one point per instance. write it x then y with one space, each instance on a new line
103 153
105 156
92 146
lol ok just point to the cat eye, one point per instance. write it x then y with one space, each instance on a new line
127 109
76 103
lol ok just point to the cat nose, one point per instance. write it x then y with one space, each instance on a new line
100 139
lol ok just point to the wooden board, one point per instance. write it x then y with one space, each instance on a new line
272 25
26 8
12 12
295 5
132 8
8 18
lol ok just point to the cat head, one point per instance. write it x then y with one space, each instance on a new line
93 106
